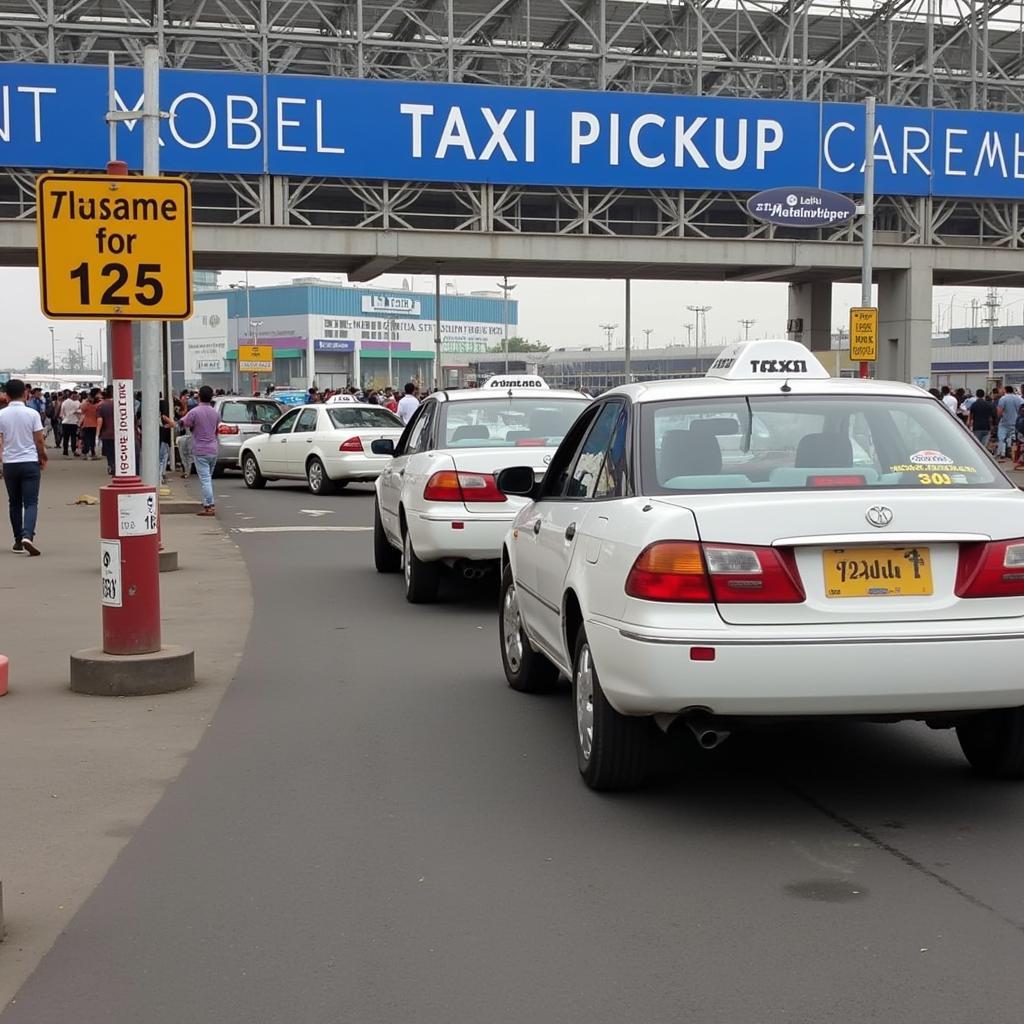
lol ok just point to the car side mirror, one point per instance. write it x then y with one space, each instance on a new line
265 428
383 446
517 480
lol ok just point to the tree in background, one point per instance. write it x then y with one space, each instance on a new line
73 361
39 365
520 345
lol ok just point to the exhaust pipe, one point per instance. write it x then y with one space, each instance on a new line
706 735
471 572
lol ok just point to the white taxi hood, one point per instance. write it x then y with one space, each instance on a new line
767 360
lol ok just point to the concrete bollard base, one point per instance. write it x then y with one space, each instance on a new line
168 561
98 674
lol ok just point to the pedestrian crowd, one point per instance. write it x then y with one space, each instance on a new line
995 417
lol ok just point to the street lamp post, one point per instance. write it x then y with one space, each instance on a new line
505 289
53 353
648 331
698 312
609 330
747 324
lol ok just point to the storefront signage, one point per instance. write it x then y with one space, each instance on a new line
330 345
801 207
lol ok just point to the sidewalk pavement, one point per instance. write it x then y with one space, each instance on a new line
81 773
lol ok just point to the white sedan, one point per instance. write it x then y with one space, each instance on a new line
767 542
327 446
437 503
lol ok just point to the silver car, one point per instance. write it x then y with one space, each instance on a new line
240 419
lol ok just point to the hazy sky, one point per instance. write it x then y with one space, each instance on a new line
558 312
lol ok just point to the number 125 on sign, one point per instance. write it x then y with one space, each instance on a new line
115 247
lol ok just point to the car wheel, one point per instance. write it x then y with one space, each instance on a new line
421 578
251 473
317 479
218 471
385 557
613 751
526 670
993 742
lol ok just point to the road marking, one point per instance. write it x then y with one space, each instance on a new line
301 529
317 512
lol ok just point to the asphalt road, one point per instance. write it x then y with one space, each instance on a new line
376 829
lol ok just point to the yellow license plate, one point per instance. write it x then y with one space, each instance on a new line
878 572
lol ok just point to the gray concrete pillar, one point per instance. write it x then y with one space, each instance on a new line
810 302
904 324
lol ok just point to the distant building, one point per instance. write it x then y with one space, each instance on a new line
334 335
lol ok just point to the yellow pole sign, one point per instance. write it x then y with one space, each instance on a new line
114 248
863 334
255 358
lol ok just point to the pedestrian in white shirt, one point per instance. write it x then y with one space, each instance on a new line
409 403
22 459
70 414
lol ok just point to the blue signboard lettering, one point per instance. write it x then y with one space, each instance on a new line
52 116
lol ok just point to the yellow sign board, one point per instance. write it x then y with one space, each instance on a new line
863 334
255 358
114 248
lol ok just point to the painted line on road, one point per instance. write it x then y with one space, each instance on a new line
301 529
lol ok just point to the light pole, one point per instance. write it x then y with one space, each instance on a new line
648 331
609 330
698 312
505 289
992 301
254 337
53 353
747 324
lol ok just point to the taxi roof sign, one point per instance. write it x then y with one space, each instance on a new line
516 382
767 360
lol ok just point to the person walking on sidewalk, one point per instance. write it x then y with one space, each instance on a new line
105 428
22 459
90 417
203 421
69 417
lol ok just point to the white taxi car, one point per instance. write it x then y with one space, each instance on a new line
767 541
328 446
437 502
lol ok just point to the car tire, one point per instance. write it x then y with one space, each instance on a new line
993 742
317 480
386 558
218 471
421 578
613 751
251 474
526 670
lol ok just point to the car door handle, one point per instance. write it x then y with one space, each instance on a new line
536 526
309 440
570 531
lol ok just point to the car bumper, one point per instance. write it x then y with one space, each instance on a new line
229 449
355 466
436 536
651 672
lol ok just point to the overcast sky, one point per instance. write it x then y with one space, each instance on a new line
558 312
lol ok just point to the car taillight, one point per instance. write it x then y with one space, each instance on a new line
448 485
353 444
687 571
992 569
227 428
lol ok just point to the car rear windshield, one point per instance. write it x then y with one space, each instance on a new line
249 412
509 422
798 442
345 418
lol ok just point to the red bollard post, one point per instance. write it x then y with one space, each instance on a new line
129 541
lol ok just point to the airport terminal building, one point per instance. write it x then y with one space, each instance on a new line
332 335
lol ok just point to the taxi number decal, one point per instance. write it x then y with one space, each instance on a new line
937 479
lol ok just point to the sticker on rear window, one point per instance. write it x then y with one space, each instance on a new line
930 458
916 467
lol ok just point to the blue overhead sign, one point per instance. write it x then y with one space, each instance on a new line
52 116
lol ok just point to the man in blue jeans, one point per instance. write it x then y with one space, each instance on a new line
203 421
23 457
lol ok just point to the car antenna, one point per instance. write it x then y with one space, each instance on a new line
785 387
